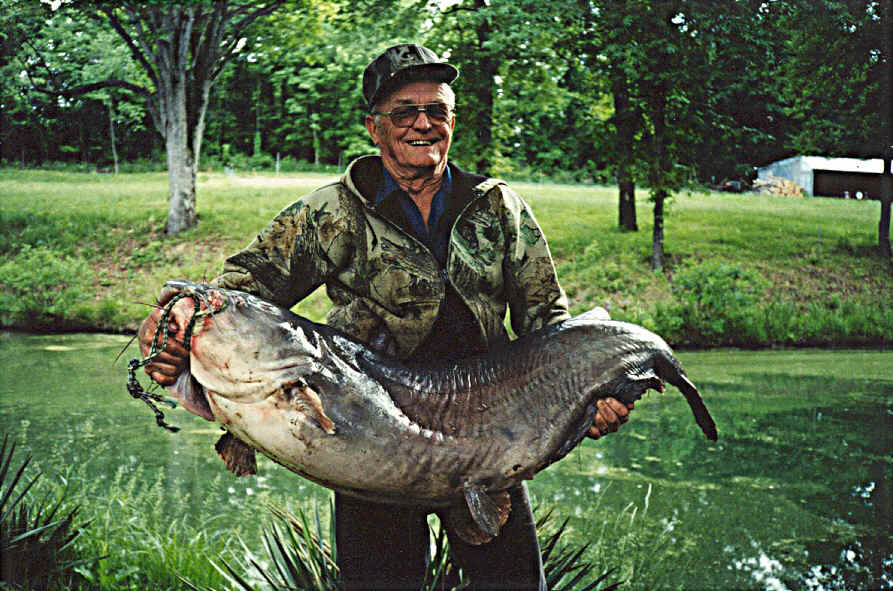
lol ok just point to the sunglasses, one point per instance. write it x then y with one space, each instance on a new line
406 115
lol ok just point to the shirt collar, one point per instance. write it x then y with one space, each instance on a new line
388 185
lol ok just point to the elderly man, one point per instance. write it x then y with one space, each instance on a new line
421 260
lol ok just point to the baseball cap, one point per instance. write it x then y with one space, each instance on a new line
404 63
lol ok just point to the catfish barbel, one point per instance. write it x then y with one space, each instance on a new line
336 412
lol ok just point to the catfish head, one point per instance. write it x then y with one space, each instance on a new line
241 347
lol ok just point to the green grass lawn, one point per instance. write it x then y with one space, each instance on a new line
81 251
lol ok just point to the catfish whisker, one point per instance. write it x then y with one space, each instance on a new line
121 352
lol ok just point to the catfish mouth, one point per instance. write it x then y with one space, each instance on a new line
210 300
189 307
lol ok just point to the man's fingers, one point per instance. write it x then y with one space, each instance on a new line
167 292
166 359
608 415
164 369
174 348
599 424
619 409
160 378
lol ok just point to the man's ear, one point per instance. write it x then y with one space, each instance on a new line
372 128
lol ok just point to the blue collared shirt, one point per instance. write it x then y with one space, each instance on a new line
435 237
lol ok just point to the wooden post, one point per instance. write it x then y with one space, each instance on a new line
886 199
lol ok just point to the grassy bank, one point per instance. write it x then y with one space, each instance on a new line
82 251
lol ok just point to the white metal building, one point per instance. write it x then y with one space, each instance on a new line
830 177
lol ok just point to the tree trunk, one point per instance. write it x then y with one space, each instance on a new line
112 132
487 67
182 46
657 235
180 159
181 177
627 201
625 124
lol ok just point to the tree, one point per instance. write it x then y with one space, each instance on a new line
646 51
39 124
614 50
466 36
182 48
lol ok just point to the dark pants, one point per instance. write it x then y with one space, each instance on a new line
384 547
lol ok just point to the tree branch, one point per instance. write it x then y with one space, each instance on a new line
141 56
245 21
87 88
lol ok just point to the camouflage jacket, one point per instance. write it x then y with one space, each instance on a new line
385 285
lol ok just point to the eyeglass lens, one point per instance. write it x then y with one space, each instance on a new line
406 115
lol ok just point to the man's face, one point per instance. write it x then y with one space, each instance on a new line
417 150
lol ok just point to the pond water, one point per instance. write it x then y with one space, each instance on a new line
794 495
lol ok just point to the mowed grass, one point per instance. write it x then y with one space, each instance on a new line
809 252
806 248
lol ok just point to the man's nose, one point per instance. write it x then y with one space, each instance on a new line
422 121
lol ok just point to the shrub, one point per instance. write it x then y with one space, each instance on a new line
38 286
300 556
36 535
716 304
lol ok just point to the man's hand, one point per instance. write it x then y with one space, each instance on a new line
172 361
610 415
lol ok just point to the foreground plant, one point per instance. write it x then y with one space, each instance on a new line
300 556
36 536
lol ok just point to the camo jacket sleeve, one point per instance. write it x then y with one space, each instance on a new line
296 253
534 295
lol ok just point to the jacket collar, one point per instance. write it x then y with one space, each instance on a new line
363 177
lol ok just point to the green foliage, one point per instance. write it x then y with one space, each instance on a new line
835 106
663 91
720 304
715 303
641 549
64 49
563 562
41 287
301 556
37 535
142 522
81 250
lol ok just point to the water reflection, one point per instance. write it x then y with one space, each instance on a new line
794 495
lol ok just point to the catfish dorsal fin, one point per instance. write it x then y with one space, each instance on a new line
486 512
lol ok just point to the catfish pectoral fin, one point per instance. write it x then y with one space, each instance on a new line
459 520
236 454
308 399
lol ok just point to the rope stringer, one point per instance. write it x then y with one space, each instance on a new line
134 388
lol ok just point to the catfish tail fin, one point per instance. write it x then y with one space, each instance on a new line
672 372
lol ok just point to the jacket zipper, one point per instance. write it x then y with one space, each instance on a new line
444 274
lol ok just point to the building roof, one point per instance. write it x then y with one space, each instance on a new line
873 166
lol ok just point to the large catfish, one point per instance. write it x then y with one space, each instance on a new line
452 434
